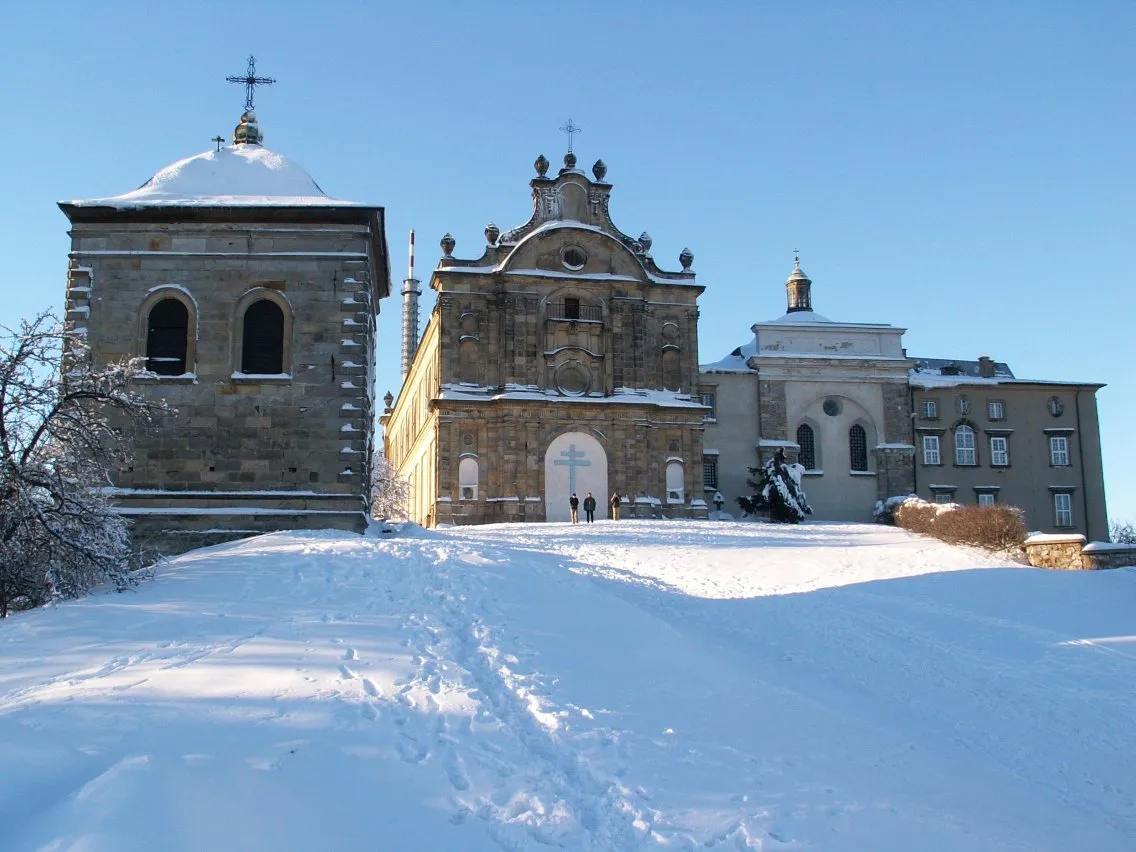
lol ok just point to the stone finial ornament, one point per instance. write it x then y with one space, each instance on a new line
447 243
645 241
686 259
541 165
492 232
569 160
599 169
388 400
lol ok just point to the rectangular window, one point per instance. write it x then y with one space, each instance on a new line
710 472
944 497
965 454
931 450
708 400
995 409
999 452
985 498
929 409
1059 451
571 308
1063 509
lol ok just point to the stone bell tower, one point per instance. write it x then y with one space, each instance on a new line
252 296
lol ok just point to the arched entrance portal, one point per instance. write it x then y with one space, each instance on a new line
575 461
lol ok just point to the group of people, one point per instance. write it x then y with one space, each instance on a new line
590 507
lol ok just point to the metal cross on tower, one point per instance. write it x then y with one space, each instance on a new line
570 129
220 140
251 81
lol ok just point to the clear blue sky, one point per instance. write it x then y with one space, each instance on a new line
964 170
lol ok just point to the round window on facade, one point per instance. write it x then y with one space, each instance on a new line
573 379
573 257
832 407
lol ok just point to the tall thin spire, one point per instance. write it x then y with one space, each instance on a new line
410 294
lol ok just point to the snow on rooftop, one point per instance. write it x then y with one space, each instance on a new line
799 318
245 174
735 362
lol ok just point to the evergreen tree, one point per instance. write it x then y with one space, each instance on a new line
777 490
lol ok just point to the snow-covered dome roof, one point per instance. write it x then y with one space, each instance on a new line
798 317
237 175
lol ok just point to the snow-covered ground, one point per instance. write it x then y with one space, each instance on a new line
640 685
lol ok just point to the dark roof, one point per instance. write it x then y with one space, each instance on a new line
956 367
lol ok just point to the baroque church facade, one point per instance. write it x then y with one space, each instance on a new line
251 295
562 360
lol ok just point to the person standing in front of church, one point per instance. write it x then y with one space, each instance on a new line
574 505
615 506
589 508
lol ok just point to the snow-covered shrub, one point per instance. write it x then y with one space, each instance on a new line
62 424
916 515
999 528
389 491
884 510
777 490
1122 533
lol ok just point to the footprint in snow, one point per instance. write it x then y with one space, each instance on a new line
350 654
346 673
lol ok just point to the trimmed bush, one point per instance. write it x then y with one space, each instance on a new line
999 528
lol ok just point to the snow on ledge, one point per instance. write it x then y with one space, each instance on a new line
1104 546
1055 538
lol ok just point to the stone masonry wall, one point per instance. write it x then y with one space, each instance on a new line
306 432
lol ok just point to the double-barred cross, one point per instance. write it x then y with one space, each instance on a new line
574 459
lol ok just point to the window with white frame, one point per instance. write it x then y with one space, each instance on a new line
929 409
999 452
944 496
995 409
965 454
709 400
1058 451
985 498
710 473
1063 509
931 454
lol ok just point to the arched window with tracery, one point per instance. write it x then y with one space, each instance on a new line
806 440
167 338
858 447
262 339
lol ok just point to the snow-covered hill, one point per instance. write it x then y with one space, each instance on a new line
641 685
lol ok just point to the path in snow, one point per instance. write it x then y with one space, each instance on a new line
612 686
